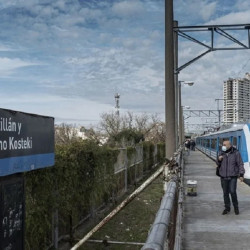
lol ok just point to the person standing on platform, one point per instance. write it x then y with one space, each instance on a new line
192 145
231 167
187 146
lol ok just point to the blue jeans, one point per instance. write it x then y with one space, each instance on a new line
229 187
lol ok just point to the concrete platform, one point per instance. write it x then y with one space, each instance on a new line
204 225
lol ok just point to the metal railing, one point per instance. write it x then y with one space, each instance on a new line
118 208
166 231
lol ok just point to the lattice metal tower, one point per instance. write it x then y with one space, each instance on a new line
117 104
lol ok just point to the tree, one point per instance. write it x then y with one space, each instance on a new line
93 135
65 133
111 123
157 134
130 129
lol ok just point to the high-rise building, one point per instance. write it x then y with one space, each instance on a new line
236 95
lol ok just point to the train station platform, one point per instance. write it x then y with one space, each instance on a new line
204 226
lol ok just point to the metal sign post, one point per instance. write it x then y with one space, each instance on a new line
12 212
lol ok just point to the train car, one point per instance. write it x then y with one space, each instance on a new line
238 135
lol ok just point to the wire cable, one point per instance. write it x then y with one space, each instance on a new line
243 67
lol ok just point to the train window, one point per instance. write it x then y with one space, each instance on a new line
213 143
220 143
239 143
208 143
235 142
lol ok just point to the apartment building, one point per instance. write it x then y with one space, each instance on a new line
236 95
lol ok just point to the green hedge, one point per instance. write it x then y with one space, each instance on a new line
148 155
160 152
81 180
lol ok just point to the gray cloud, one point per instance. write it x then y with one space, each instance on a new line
88 50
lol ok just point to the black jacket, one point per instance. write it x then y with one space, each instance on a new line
231 164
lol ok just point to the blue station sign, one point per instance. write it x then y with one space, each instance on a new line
26 142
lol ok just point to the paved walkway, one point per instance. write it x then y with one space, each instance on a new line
204 225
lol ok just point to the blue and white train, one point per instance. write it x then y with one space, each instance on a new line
239 136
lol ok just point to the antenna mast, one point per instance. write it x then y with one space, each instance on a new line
117 104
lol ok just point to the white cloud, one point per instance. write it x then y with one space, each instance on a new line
241 17
60 5
242 4
79 110
128 8
94 48
194 11
5 48
208 10
121 68
150 76
8 65
156 35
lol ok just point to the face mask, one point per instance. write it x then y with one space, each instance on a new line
224 148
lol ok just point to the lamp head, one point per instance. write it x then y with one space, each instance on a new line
190 83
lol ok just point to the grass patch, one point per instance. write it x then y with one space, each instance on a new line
133 222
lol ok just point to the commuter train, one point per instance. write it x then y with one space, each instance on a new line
239 136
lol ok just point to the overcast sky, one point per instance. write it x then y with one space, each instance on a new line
67 58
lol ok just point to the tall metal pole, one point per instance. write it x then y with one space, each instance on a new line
183 125
176 85
181 132
218 108
219 114
169 81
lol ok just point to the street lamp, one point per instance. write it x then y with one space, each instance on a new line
179 119
190 83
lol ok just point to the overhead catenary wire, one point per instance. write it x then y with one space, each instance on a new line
243 67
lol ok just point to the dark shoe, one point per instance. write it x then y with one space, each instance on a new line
226 211
236 210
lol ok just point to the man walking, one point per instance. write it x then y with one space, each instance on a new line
230 168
